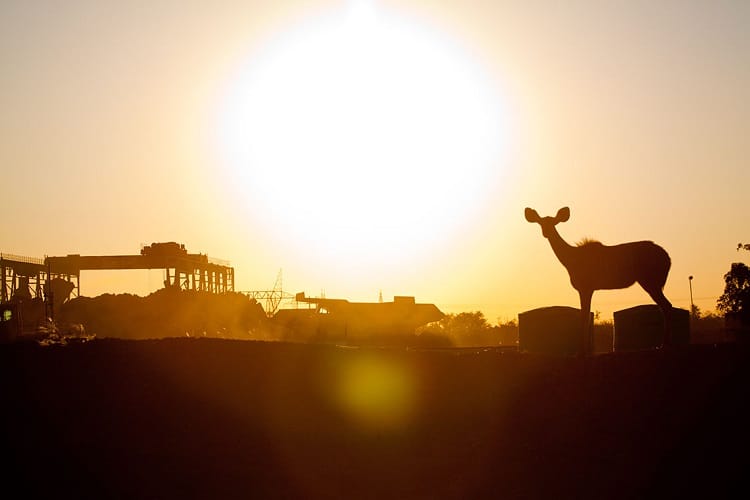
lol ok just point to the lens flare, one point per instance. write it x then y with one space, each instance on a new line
377 392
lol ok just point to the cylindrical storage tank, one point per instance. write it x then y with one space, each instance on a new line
551 330
642 327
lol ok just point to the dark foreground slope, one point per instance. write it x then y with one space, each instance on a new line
188 418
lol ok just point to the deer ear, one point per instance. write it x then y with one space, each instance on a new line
563 214
531 215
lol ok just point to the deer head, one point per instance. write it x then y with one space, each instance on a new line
547 223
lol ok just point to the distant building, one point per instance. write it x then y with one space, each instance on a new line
341 319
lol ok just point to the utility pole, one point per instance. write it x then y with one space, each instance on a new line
692 307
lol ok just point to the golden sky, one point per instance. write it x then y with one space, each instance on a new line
389 146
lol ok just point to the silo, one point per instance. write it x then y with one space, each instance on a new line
551 330
642 327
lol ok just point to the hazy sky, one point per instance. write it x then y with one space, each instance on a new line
379 146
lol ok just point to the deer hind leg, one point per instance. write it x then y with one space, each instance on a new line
585 345
657 295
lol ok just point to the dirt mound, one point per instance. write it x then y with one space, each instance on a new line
166 313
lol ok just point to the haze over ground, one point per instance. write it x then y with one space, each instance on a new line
379 146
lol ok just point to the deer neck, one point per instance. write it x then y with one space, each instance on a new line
562 249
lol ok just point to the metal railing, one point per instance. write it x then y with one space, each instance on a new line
21 258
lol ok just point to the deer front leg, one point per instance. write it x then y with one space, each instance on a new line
585 345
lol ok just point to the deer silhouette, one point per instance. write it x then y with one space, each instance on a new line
594 266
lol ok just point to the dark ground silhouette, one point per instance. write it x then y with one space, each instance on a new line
212 418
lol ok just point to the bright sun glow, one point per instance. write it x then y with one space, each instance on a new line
362 135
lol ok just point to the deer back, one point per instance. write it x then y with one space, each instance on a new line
594 266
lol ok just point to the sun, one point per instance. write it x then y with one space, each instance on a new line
361 135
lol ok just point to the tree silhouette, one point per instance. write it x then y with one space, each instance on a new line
695 312
461 324
465 329
467 323
743 246
736 296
